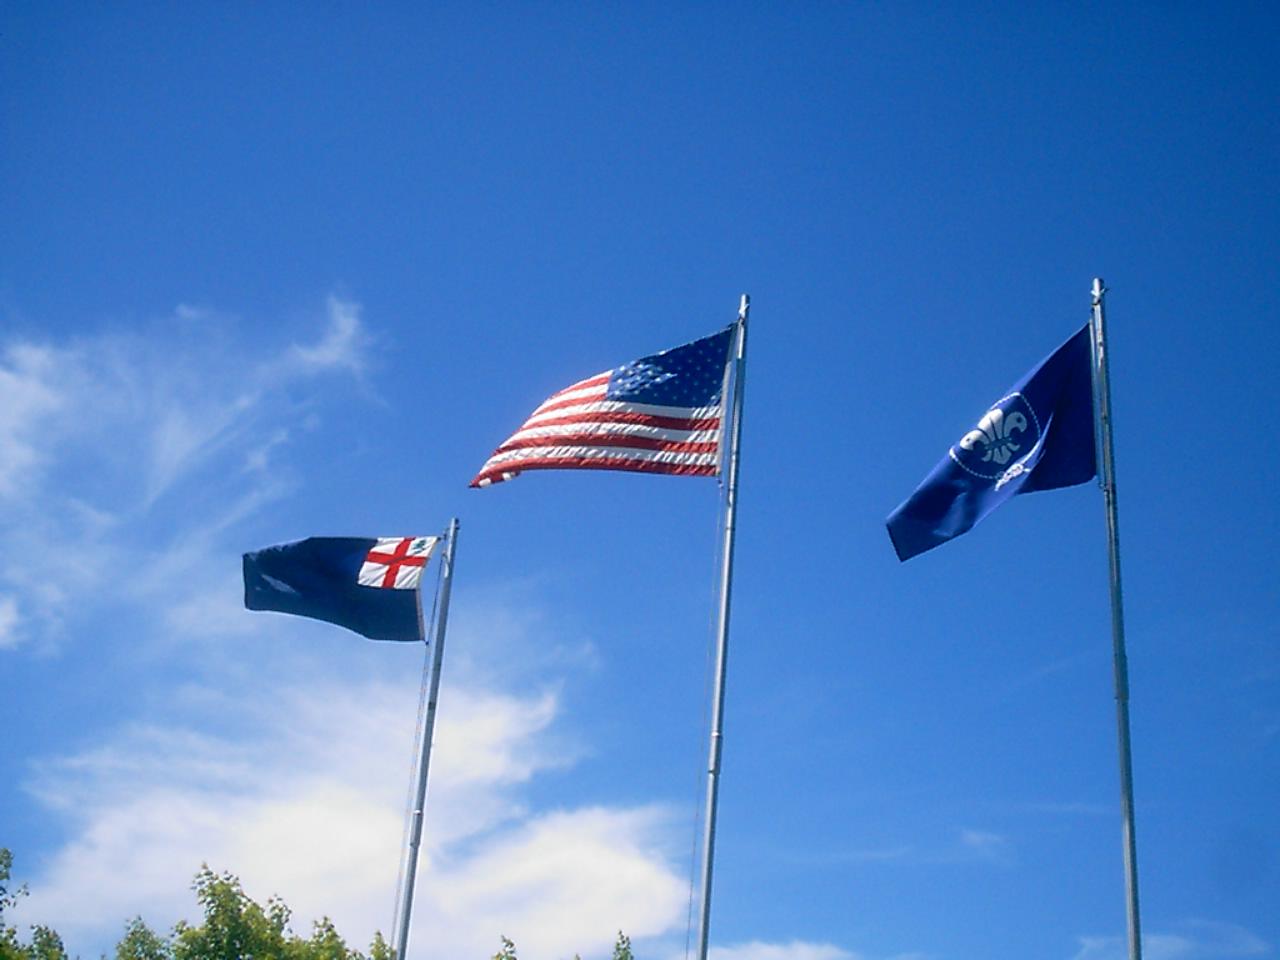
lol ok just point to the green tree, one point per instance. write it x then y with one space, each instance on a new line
507 952
140 942
10 947
8 898
46 944
235 927
622 948
325 944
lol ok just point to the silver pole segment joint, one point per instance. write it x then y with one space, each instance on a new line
717 739
428 732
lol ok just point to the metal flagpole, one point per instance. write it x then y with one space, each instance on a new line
722 641
424 759
1107 480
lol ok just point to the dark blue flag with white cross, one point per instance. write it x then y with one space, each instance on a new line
366 584
1038 436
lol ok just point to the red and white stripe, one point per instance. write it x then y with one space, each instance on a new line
578 429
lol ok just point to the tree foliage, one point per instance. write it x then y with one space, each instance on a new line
8 898
235 927
45 943
621 949
10 947
140 942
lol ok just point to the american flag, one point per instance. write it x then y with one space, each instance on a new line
658 414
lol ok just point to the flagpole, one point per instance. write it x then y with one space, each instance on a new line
722 639
1120 661
424 759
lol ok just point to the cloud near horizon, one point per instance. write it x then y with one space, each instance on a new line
308 804
796 950
1191 940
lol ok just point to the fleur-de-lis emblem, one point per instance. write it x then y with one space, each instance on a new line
995 436
1007 434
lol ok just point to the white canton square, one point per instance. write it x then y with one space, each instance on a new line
396 563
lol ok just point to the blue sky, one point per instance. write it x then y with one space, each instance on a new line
279 270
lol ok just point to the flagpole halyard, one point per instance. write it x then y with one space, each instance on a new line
722 638
1120 661
405 911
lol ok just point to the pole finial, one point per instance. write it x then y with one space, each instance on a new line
1099 288
743 305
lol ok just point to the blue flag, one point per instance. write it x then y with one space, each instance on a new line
366 584
1038 436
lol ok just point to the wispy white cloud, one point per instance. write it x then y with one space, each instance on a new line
794 950
873 854
8 622
798 950
1192 940
258 458
966 845
165 400
182 437
560 883
1036 675
29 395
212 610
104 438
1071 808
986 845
171 568
343 345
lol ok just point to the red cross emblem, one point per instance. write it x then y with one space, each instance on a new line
396 563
